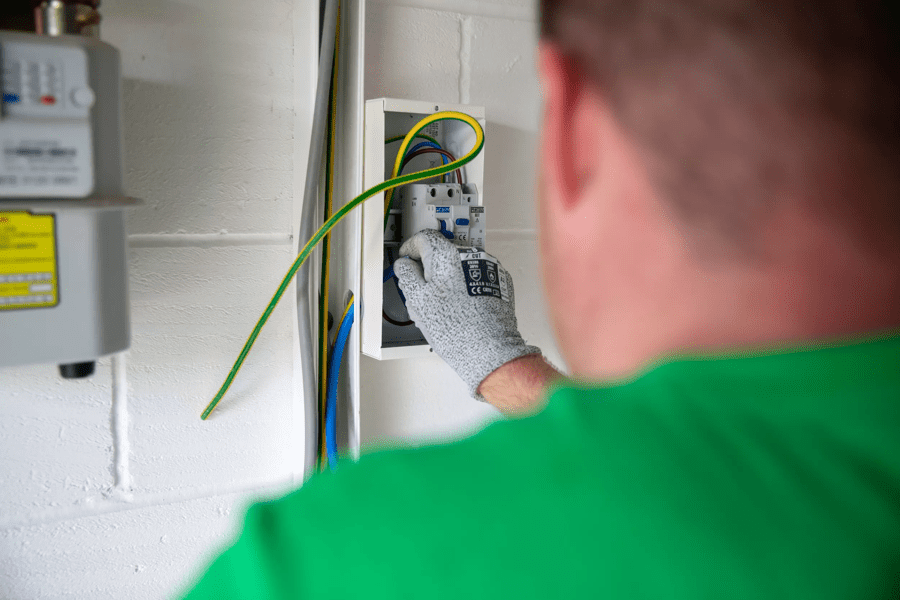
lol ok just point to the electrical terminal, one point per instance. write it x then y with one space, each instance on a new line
392 230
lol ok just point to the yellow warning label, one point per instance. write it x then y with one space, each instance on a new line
28 277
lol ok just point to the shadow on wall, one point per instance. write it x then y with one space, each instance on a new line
162 12
412 54
510 177
188 156
153 169
416 402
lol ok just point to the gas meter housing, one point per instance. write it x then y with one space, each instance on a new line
63 278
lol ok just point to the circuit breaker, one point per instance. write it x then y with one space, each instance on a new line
453 205
452 209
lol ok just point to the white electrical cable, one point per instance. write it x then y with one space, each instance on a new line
307 229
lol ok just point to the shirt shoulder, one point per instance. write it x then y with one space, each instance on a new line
731 466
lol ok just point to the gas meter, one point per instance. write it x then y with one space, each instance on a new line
63 281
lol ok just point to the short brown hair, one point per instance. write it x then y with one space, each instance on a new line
735 101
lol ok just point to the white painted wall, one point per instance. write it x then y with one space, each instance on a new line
113 487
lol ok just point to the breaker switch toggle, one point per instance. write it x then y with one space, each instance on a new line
447 233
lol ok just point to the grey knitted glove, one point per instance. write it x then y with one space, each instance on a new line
463 301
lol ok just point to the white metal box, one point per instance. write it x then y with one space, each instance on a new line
386 118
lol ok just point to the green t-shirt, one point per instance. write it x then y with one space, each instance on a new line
759 476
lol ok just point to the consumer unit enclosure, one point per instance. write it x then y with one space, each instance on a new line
457 208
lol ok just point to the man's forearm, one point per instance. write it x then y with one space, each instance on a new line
519 388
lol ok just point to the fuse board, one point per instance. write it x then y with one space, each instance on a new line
452 205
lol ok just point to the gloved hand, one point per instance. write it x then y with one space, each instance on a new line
463 302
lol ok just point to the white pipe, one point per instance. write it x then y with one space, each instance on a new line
307 229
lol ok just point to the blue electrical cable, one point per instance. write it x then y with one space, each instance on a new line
334 373
389 274
428 145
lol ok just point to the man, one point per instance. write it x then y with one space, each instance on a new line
721 239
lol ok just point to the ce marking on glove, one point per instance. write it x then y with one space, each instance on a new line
484 276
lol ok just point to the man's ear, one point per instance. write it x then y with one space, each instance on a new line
571 148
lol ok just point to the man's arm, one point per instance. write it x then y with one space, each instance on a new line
519 388
475 332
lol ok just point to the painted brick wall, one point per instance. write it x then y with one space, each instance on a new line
113 487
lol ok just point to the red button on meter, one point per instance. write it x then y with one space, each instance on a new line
48 100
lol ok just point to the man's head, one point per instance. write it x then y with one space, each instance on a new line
704 151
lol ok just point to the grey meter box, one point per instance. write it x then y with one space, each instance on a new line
63 280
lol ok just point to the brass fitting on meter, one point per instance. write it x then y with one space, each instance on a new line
68 17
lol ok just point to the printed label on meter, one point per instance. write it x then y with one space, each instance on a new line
45 159
46 133
484 277
28 275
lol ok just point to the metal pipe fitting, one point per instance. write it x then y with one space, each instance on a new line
68 17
